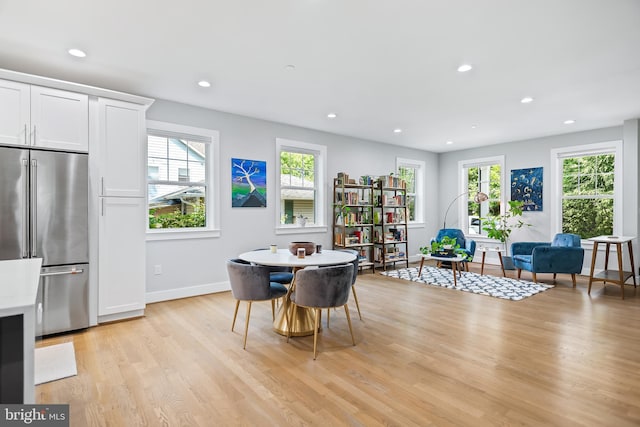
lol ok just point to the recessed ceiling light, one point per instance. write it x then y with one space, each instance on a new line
464 68
204 83
526 100
290 67
77 53
474 126
332 115
397 130
569 122
449 142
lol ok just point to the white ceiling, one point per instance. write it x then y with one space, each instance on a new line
378 64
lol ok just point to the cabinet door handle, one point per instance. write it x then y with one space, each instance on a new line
26 135
39 314
102 186
34 135
101 207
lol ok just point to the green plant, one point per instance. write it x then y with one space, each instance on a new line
443 246
499 227
176 219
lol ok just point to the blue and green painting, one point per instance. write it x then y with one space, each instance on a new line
248 183
526 186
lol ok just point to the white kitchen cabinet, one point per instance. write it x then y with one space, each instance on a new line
43 117
122 148
121 257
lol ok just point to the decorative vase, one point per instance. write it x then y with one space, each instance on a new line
309 247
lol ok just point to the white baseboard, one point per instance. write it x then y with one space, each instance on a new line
190 291
120 316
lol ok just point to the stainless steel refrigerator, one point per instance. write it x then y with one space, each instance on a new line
44 214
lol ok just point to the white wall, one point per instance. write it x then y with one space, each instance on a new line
196 266
537 153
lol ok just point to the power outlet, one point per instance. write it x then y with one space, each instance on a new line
157 269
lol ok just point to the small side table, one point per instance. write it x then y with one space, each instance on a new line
455 264
612 276
484 251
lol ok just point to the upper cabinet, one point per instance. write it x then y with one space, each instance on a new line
35 116
122 148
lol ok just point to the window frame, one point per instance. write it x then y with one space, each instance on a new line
212 173
557 157
463 186
419 166
320 184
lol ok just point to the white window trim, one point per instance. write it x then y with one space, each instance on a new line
419 166
559 154
320 152
463 186
213 177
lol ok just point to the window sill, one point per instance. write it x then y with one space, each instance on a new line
302 230
415 224
181 234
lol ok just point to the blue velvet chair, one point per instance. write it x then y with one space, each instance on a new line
467 245
564 255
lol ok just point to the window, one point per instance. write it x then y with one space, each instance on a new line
412 171
480 175
588 179
301 172
180 183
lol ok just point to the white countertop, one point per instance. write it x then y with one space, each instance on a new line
18 285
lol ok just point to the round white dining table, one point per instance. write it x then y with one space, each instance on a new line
302 325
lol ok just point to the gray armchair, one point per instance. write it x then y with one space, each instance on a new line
251 283
563 255
319 288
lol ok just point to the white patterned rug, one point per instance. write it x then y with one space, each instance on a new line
499 287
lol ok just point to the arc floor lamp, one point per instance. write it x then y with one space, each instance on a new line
478 198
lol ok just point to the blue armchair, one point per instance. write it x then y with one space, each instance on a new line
467 245
563 255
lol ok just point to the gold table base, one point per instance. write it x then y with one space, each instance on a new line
301 325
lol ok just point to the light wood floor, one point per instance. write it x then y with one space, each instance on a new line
424 356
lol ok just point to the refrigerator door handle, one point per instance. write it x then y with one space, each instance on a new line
39 313
60 273
25 209
34 206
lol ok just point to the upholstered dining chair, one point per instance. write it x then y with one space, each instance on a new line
277 274
563 255
251 283
355 263
467 245
320 288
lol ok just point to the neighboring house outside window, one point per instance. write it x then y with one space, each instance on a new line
480 175
412 171
301 172
588 189
180 191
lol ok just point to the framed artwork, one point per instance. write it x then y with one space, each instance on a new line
248 183
526 186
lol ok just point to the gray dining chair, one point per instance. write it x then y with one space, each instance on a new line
251 283
353 283
320 288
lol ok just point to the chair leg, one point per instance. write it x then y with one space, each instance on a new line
235 313
519 272
328 316
573 278
554 277
315 333
273 309
535 279
346 310
355 297
246 325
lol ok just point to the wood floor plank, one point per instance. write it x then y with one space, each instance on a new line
424 356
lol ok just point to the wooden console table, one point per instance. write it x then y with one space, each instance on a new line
612 276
